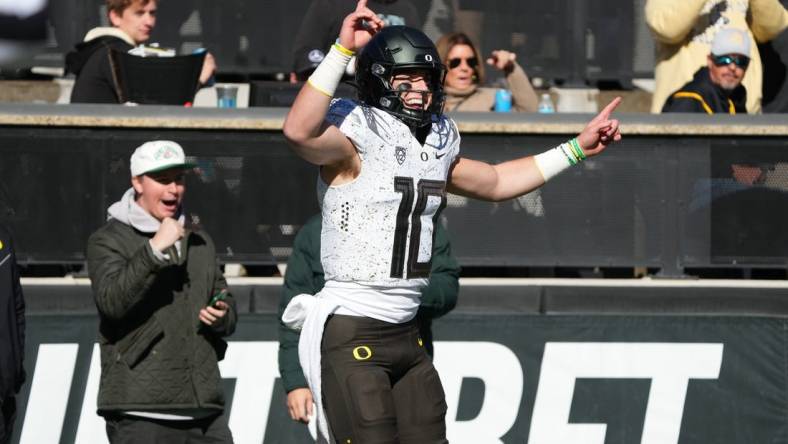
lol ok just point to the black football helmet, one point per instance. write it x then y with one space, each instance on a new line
392 50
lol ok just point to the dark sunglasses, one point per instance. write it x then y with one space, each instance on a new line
472 62
724 60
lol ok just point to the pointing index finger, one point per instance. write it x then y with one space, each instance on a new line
610 107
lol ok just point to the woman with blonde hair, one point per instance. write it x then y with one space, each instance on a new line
465 75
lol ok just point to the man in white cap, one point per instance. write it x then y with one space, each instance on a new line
164 308
717 87
684 30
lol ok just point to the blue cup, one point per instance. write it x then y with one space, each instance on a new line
503 101
226 96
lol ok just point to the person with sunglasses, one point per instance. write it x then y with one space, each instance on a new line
683 31
717 87
465 75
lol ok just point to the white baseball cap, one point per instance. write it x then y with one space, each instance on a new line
158 155
731 41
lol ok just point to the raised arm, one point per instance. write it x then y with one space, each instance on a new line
672 20
768 18
516 177
305 127
523 95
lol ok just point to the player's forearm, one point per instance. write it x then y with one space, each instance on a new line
515 178
523 95
769 19
480 180
520 176
495 183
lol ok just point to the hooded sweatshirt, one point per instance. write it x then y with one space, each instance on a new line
90 61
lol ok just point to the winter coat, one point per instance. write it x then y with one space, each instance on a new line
701 95
156 356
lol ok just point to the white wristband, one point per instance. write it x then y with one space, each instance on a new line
552 162
329 73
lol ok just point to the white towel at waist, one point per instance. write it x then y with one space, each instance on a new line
309 314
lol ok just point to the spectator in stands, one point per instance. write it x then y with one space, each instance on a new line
321 24
132 23
684 30
717 87
12 333
163 310
305 275
465 76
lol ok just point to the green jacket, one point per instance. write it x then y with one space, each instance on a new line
305 275
156 355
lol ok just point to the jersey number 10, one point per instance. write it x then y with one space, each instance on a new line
407 218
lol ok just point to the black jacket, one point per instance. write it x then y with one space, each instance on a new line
155 353
702 96
91 63
12 320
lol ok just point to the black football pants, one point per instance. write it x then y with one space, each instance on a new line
379 386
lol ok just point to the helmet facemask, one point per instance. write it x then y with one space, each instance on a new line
401 50
396 100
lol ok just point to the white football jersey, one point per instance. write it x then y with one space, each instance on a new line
379 228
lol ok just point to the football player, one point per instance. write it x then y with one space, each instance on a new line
386 162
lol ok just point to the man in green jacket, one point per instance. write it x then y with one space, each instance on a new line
163 309
305 275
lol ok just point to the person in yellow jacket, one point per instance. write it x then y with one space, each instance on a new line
684 30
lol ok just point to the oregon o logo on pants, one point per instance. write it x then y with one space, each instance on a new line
362 353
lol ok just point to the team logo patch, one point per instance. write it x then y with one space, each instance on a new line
362 353
315 56
166 152
399 153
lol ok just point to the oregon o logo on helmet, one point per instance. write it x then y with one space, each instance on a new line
428 57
